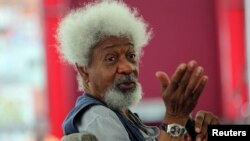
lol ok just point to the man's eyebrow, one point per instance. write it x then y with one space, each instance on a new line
112 46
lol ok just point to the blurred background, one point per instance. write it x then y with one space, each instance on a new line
37 90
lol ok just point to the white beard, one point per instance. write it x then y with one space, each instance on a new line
116 99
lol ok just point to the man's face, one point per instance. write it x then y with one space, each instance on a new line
113 71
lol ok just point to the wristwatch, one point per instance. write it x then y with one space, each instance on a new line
174 129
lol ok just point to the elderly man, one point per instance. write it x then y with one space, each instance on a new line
104 41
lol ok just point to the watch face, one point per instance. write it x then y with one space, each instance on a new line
175 130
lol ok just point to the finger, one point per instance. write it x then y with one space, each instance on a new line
206 137
177 77
163 77
187 137
200 137
206 122
207 118
200 87
199 118
194 80
185 79
215 121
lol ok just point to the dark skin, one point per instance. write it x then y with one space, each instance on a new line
112 57
115 56
180 95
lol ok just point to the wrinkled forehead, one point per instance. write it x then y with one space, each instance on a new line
114 41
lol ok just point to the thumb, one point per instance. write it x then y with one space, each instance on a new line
163 77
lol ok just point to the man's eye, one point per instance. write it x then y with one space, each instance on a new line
110 59
131 56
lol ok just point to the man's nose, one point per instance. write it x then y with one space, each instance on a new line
126 67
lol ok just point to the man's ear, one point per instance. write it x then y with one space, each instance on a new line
83 72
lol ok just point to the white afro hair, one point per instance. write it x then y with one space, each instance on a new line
81 29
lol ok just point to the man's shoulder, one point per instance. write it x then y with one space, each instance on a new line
100 111
97 117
